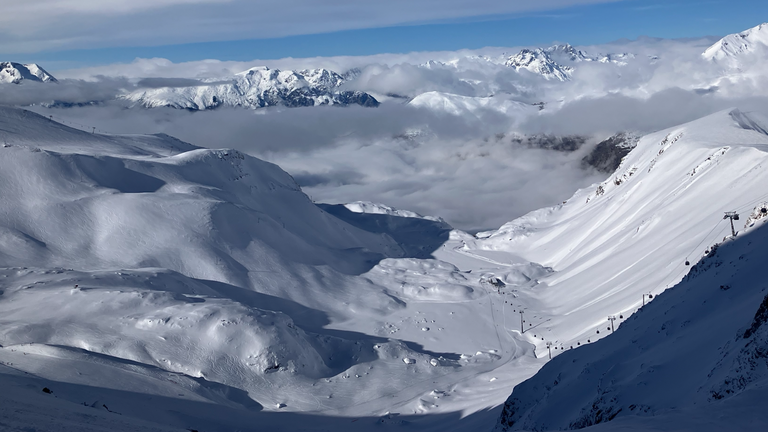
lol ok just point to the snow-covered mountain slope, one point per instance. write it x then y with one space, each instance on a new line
141 227
15 73
139 268
472 106
630 235
731 50
558 61
700 348
257 88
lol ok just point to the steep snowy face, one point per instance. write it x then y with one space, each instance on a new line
15 73
700 348
538 61
731 49
257 87
621 243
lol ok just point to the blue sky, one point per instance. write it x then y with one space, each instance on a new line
562 21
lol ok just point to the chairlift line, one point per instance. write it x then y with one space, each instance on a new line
702 241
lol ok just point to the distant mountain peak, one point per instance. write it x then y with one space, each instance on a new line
731 48
15 73
257 87
540 62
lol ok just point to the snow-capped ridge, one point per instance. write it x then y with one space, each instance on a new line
15 73
257 87
539 61
731 49
553 62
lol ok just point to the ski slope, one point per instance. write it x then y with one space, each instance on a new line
693 359
630 236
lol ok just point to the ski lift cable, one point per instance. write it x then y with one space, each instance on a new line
703 240
752 205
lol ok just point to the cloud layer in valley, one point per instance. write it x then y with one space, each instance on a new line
466 168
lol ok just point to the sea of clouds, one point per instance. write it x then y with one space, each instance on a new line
464 168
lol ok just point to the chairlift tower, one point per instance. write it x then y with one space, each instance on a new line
549 347
650 296
732 216
612 318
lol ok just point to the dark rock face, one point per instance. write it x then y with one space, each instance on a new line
607 156
356 98
307 97
761 317
565 143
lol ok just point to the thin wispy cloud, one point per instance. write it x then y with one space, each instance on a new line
36 25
